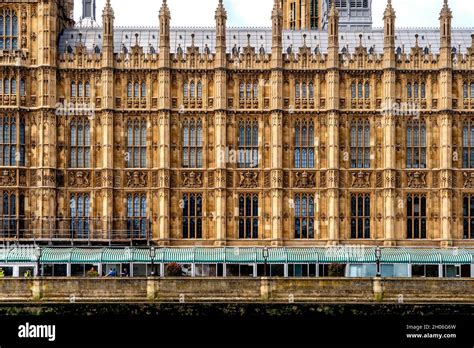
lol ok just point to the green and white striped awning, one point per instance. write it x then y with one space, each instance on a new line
81 255
56 255
234 255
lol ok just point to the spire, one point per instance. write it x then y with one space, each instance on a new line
389 11
108 10
389 26
108 34
277 34
165 20
445 18
333 27
221 19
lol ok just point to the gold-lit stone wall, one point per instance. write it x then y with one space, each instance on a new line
47 181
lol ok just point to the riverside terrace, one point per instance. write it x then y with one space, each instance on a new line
343 261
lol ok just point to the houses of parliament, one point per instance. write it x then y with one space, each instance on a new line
319 130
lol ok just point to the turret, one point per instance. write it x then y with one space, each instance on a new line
333 36
108 35
277 34
165 20
221 19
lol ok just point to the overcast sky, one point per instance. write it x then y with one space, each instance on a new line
410 13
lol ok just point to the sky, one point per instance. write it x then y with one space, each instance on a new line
256 13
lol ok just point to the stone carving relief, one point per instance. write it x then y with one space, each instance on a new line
79 179
191 179
360 180
304 180
136 179
248 179
416 180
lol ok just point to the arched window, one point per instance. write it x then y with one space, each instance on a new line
360 144
79 213
416 144
88 89
80 89
304 145
468 145
472 90
255 90
249 91
415 90
129 90
73 89
137 223
136 143
10 226
409 91
13 84
248 216
297 90
192 90
359 90
192 216
367 90
242 90
304 91
6 88
199 90
468 216
304 216
423 91
248 144
80 143
136 90
185 90
416 216
143 89
192 144
360 216
311 91
353 90
8 29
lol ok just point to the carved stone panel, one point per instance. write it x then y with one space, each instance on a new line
304 180
248 179
360 179
416 179
8 177
136 179
79 179
191 179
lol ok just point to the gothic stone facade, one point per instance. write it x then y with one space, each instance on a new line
234 136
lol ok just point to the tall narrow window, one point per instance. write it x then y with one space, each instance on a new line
22 88
185 90
311 90
192 144
472 90
242 90
367 90
137 224
88 89
8 29
80 143
9 144
416 216
136 90
192 91
199 90
9 222
468 145
304 145
80 89
416 145
136 143
468 216
248 216
304 216
248 144
360 216
297 90
192 216
360 144
143 89
79 213
465 92
409 91
129 90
